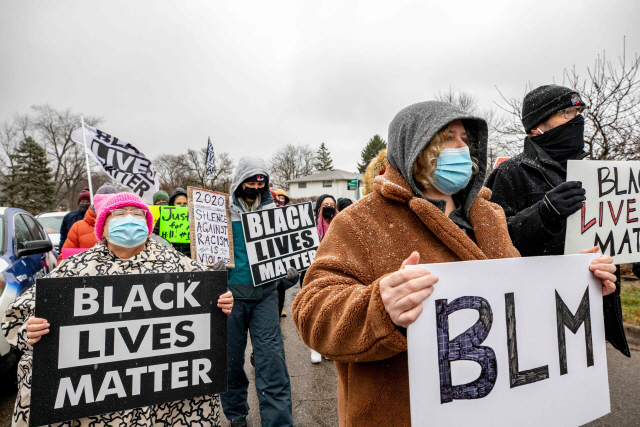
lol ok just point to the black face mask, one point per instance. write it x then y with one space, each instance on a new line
250 193
328 212
565 142
83 208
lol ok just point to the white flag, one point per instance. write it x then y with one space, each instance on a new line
121 160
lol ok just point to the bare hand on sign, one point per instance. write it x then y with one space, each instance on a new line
225 302
36 328
402 292
604 269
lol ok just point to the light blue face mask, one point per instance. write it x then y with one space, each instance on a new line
128 232
454 170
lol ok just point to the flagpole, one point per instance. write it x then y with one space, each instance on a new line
86 159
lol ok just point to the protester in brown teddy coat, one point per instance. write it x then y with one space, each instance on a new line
346 309
376 167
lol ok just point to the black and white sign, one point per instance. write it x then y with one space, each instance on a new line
121 160
211 158
470 364
609 217
122 342
278 239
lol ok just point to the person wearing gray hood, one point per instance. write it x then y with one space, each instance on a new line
428 207
256 310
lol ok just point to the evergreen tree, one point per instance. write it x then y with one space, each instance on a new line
28 185
324 162
373 148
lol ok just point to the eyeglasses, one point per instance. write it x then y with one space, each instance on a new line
572 112
136 213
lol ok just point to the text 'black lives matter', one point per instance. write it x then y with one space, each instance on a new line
122 342
278 239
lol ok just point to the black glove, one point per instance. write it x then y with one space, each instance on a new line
562 201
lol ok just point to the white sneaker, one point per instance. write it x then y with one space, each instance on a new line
315 357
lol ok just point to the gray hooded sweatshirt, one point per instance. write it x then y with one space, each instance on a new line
411 130
240 279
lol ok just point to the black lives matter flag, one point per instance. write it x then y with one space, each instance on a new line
278 239
211 158
123 342
121 160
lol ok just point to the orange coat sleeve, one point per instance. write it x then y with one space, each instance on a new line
73 240
339 311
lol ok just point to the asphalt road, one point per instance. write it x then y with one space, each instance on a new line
314 386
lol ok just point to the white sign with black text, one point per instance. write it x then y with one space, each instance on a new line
609 217
470 364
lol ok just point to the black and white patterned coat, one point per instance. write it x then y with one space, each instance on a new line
100 261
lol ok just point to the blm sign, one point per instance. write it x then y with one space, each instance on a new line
278 239
122 342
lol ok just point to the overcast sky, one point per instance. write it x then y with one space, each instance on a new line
256 75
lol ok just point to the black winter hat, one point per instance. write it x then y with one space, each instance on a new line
543 101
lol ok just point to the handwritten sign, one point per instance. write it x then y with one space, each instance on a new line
155 211
174 223
123 342
278 239
211 237
469 364
609 217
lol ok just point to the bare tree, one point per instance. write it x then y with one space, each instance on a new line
171 170
53 129
290 162
196 167
183 170
469 104
612 91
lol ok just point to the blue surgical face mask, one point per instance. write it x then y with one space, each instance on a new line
128 232
454 170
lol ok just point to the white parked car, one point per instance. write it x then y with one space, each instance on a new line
51 222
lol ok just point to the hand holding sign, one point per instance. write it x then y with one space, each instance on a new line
604 270
36 328
402 292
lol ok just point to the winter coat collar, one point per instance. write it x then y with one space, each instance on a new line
392 186
535 157
90 217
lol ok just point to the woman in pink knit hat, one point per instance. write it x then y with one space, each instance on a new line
122 227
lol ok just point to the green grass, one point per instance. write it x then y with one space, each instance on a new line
630 296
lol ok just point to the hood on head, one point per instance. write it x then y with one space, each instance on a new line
413 127
280 192
177 192
248 167
319 203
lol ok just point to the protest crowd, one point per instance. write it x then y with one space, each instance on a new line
429 199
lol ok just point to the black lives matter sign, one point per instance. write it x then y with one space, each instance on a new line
278 239
122 342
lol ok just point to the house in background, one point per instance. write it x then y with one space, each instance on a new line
337 183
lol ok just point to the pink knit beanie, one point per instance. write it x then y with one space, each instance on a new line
105 205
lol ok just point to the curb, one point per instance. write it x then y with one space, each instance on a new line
633 333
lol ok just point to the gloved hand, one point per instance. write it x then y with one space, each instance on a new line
220 265
562 201
292 273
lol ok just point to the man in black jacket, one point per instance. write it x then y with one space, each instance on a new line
532 188
84 201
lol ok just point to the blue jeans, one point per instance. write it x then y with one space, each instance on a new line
272 377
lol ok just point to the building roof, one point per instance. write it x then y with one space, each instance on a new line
334 175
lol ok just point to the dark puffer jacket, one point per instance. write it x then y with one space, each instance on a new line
518 185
